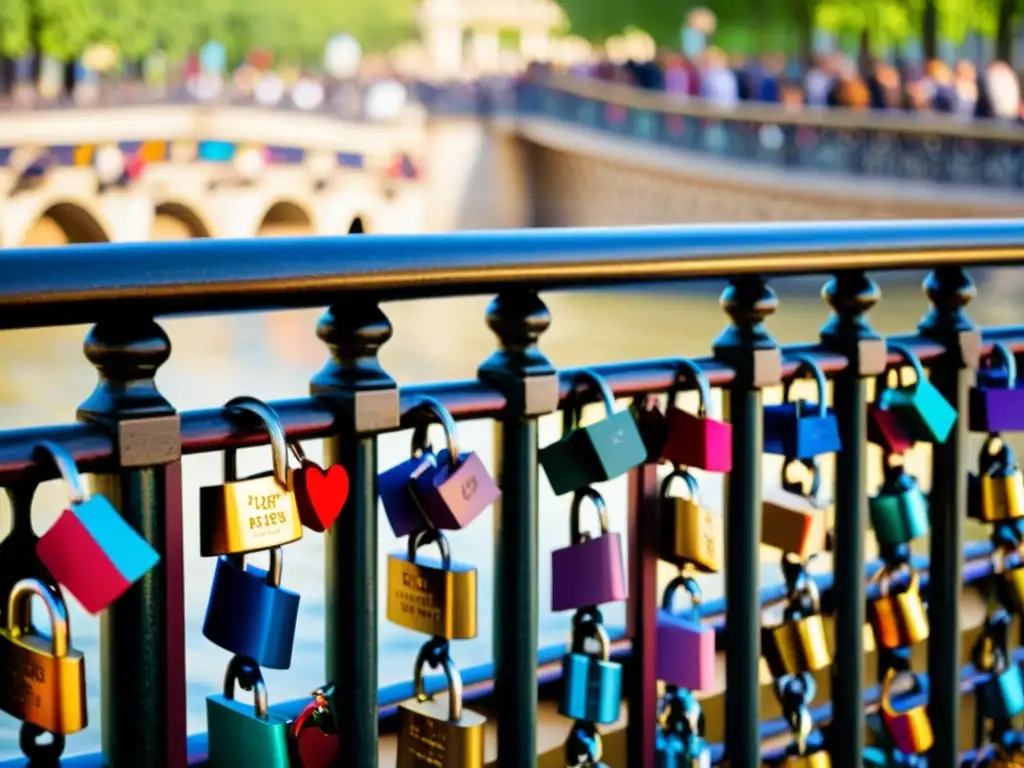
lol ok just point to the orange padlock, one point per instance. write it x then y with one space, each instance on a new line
899 619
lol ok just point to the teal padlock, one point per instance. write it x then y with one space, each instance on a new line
591 683
899 511
922 410
1002 695
594 453
245 734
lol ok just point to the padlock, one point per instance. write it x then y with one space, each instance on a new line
590 570
253 513
997 491
696 440
458 488
245 734
680 739
819 759
18 558
691 534
319 496
924 413
798 644
434 732
899 619
316 741
798 430
673 751
1004 758
886 431
795 522
685 648
1001 696
910 730
250 613
1011 587
996 401
90 550
435 597
591 683
402 508
899 511
595 453
44 677
583 746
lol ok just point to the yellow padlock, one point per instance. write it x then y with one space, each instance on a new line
1004 758
691 534
910 730
1012 588
819 759
999 483
795 524
798 644
899 619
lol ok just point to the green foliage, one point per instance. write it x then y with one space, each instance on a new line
14 29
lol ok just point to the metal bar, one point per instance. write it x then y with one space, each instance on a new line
642 683
84 283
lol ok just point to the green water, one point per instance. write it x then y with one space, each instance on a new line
44 376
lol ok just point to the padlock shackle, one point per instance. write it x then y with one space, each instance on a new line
426 536
801 724
19 612
275 571
575 537
813 467
246 672
890 678
275 429
909 358
687 369
994 640
807 365
690 586
690 480
586 629
989 461
65 463
427 411
1002 353
434 653
887 574
574 408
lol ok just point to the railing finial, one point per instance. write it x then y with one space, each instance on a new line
746 345
950 290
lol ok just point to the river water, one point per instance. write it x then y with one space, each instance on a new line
44 376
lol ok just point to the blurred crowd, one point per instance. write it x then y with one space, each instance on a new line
833 80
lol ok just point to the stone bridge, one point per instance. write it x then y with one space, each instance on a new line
557 155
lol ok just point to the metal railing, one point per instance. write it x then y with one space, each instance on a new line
132 439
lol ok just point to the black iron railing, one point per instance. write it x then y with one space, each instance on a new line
132 439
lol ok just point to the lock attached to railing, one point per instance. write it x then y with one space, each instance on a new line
1001 697
590 570
886 431
997 492
245 734
591 682
685 648
899 619
922 410
800 754
680 738
594 453
319 495
996 401
695 439
899 511
691 534
911 729
798 644
799 430
253 513
795 521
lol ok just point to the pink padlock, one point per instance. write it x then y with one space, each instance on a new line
590 571
685 648
695 440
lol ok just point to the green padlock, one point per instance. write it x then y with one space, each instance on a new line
922 410
899 512
245 734
595 453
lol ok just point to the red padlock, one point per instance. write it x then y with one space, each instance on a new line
315 743
91 551
320 496
696 440
885 430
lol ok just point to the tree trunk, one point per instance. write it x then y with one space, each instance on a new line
70 78
35 31
930 30
803 17
6 75
1004 29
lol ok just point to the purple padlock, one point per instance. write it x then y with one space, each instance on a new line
685 648
401 507
458 488
996 402
590 571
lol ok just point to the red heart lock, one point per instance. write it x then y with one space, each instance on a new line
320 495
316 748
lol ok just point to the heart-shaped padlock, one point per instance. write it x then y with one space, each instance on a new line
319 495
316 743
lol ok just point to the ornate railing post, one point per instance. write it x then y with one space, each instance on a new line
142 636
367 399
521 372
950 289
851 296
747 348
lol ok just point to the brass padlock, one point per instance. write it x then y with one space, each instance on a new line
998 488
253 513
819 759
690 533
1011 588
44 677
899 619
911 730
795 520
434 732
798 644
435 598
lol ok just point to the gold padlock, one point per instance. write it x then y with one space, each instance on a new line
44 678
1001 483
253 513
1012 587
690 533
798 644
819 759
435 598
910 730
899 619
1006 759
794 524
434 732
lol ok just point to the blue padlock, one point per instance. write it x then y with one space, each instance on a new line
1001 696
591 683
799 430
594 453
249 613
996 400
922 410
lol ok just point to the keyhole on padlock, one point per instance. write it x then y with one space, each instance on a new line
39 746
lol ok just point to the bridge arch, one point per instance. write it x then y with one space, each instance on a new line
178 220
66 221
287 218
